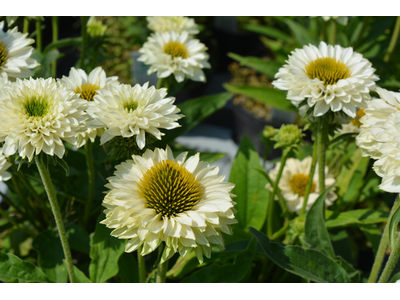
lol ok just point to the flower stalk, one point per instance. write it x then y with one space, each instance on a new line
91 175
54 23
84 41
310 178
48 185
142 266
391 263
162 268
321 147
38 35
393 41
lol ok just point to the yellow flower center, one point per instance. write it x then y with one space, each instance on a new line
36 107
87 91
298 184
3 54
169 188
356 121
176 49
328 70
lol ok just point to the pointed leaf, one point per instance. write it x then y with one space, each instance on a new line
80 276
355 217
307 263
269 68
12 267
316 233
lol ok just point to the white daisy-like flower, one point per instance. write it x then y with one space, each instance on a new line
127 111
379 137
157 198
328 77
293 183
175 53
15 54
87 86
353 125
37 114
341 19
4 165
178 24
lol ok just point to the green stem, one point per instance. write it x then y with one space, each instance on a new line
161 269
38 35
272 195
363 28
84 41
142 266
160 83
26 25
383 244
323 33
310 178
321 140
48 185
332 32
54 23
91 175
393 41
391 263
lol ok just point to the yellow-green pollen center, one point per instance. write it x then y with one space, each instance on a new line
328 70
356 121
36 107
298 184
130 106
169 188
87 91
3 54
176 49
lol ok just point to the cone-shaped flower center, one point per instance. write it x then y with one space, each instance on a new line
169 188
176 49
36 107
328 70
130 106
298 184
356 121
87 91
3 54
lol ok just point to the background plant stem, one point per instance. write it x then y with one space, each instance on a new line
391 263
162 272
142 266
393 41
54 23
84 41
48 185
383 244
38 35
91 176
321 140
26 25
310 178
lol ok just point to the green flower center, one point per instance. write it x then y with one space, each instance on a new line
298 184
3 54
169 188
87 91
130 106
176 49
36 107
328 70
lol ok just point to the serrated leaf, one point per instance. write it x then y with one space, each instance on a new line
271 96
12 267
51 255
316 233
105 251
252 196
307 263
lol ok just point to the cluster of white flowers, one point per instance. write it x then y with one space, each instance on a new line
171 49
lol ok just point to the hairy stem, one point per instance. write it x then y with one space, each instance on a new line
142 266
321 140
310 178
91 175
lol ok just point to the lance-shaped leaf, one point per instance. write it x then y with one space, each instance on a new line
307 263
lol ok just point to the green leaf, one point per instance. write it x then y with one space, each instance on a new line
373 234
233 272
393 222
211 157
271 96
195 111
12 267
269 31
301 33
184 265
51 255
355 217
307 263
316 233
128 268
78 238
63 43
80 276
355 275
252 196
394 278
269 68
105 251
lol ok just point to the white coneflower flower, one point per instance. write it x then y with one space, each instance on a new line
380 138
157 198
328 77
4 165
341 20
293 183
175 53
37 114
353 125
15 54
133 111
87 86
178 24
